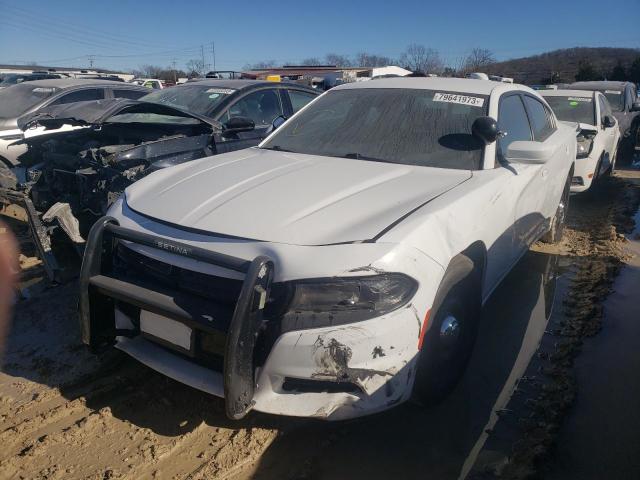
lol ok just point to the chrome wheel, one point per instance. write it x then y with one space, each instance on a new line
449 331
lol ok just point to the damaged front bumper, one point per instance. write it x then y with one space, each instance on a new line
334 372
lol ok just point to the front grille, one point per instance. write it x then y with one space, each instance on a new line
221 290
208 296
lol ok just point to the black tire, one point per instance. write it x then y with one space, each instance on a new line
444 354
554 235
597 175
612 167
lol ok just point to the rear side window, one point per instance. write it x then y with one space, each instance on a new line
512 122
81 96
262 107
132 94
299 99
540 118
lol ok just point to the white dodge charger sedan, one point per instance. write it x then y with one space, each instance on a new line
338 268
598 136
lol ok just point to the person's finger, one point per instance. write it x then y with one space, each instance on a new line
8 275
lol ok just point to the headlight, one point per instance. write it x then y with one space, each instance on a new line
336 301
585 144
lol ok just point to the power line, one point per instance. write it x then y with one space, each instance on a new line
47 20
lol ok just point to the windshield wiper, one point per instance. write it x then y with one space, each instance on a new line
277 148
358 156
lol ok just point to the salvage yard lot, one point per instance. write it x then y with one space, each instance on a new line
65 413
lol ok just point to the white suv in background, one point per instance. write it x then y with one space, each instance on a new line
598 136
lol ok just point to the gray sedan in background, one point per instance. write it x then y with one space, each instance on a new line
27 97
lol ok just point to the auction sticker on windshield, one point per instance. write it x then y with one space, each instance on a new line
455 98
224 91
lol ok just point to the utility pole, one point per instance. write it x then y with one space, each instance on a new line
175 74
91 60
202 54
213 53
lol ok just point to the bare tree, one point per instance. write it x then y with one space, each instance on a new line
370 60
337 60
260 65
478 59
419 58
195 68
311 61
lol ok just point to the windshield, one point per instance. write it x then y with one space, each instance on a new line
199 99
615 98
572 108
414 127
17 99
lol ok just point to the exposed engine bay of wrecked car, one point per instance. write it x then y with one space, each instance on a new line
70 176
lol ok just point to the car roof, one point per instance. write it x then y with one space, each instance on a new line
77 82
238 84
447 84
600 85
567 93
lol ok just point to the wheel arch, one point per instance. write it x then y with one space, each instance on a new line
477 253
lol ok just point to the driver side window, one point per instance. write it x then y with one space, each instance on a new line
262 107
512 122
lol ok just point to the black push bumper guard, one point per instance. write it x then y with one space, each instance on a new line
97 292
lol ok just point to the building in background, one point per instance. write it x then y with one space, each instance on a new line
323 77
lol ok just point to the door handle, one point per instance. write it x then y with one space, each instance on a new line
545 172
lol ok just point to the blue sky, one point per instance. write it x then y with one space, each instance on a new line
125 34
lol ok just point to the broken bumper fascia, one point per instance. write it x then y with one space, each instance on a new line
98 292
367 366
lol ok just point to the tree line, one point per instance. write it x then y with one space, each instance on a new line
419 58
620 72
416 57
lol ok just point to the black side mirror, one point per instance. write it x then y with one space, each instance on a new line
278 121
236 125
635 107
486 129
608 121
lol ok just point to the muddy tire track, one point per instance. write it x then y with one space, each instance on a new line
65 413
593 250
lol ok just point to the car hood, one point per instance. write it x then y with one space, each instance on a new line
290 198
96 112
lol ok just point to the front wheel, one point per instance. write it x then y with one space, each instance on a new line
451 334
554 235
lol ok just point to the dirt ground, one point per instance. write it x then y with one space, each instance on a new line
65 413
